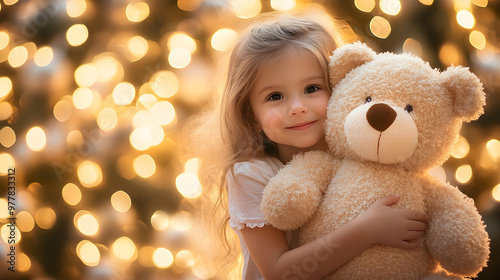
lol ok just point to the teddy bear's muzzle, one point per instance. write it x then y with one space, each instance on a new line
380 132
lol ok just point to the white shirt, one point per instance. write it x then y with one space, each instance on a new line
245 188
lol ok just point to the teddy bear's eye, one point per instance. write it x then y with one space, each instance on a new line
409 108
368 99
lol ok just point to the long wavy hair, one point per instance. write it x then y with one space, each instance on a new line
228 134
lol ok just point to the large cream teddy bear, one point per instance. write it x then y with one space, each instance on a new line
390 119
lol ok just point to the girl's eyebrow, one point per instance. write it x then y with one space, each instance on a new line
311 78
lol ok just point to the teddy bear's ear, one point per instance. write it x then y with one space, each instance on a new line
466 91
348 57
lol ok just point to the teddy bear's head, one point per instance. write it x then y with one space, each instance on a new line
395 109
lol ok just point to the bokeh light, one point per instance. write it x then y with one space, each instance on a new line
6 162
144 166
365 5
390 7
25 221
188 185
107 119
86 75
71 194
477 39
43 56
247 8
465 19
461 148
36 139
137 12
124 248
283 5
120 201
86 223
45 217
179 57
10 232
181 40
380 27
159 220
164 84
89 174
7 137
124 93
5 87
163 258
88 253
75 8
77 35
82 98
223 39
18 56
463 174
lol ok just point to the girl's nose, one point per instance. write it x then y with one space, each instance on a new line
297 107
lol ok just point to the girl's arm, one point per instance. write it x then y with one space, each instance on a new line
314 260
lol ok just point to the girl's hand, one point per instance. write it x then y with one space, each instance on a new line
394 227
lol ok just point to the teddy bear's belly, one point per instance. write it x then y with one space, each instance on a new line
348 196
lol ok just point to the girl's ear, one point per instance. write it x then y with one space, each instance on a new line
466 91
346 58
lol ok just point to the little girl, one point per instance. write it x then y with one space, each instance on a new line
272 107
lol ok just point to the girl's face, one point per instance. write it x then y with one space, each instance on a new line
289 100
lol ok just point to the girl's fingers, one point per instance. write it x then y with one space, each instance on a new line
413 235
415 215
388 200
409 245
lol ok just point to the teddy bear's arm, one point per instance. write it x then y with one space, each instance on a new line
293 195
456 235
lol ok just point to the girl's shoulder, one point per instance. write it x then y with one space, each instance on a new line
258 165
257 171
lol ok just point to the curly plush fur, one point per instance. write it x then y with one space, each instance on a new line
391 118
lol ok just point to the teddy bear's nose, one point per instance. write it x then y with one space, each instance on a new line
380 116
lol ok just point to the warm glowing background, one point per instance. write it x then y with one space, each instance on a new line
93 94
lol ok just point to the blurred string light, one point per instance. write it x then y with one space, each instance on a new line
463 174
380 27
36 139
223 39
159 220
43 56
89 174
283 5
461 148
18 56
71 194
163 258
246 8
86 223
365 5
124 249
390 7
120 201
88 253
77 35
7 137
45 217
75 8
6 162
137 12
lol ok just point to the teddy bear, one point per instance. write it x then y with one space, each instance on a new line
390 119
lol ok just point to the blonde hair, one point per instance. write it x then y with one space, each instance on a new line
235 137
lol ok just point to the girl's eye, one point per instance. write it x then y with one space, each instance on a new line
409 108
274 97
312 89
368 99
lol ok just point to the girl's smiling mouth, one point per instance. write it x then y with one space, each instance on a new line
301 126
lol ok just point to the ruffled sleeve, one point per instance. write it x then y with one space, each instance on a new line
245 187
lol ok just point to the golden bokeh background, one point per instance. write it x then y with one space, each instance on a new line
93 95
